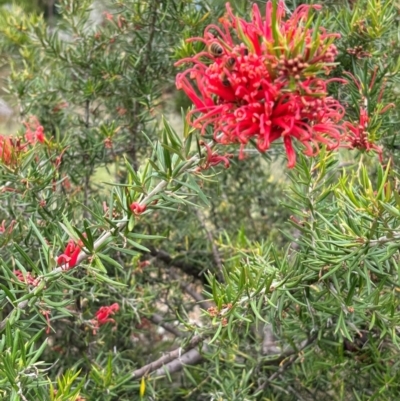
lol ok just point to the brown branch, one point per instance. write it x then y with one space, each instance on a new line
175 360
192 357
166 359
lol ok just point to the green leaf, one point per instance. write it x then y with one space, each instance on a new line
8 293
216 335
138 246
111 261
27 259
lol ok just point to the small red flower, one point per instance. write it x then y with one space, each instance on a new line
102 315
213 158
70 255
108 16
34 131
142 264
362 135
259 80
121 21
356 136
58 107
137 208
46 314
9 229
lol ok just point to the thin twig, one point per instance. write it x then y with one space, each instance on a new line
383 240
294 392
159 320
165 359
88 171
149 46
187 287
293 355
215 252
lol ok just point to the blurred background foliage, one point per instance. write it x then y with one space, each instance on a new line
289 281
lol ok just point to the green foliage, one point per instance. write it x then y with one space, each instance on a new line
26 5
217 296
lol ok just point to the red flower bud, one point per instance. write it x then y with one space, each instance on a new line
27 278
137 208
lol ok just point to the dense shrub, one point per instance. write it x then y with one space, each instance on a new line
246 250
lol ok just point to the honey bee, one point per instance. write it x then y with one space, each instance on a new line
216 49
230 63
225 81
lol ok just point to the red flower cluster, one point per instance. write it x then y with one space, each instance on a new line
102 315
27 278
11 148
70 255
258 80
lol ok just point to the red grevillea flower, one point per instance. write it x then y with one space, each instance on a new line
259 80
356 136
70 255
102 315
